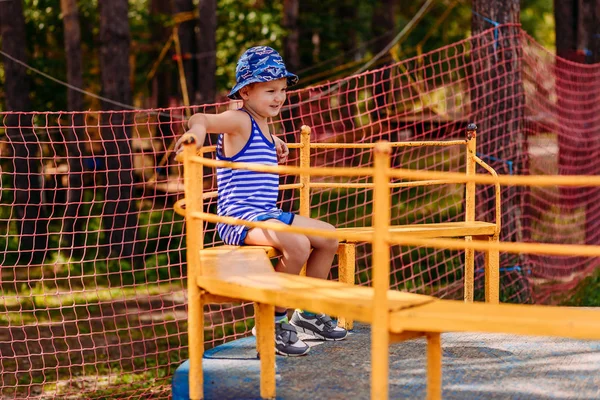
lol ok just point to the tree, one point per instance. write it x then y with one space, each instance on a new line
120 213
186 24
207 52
74 129
290 42
578 40
497 100
383 28
31 223
161 82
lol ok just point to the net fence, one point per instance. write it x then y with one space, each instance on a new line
93 300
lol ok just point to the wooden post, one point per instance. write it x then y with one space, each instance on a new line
470 211
265 338
192 175
346 272
305 176
381 273
434 366
492 274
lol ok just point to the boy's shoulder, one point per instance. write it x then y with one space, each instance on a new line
238 121
238 115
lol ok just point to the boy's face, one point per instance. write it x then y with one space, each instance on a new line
266 98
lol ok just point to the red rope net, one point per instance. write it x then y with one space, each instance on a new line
93 299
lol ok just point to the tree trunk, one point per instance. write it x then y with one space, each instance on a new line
187 43
207 52
383 26
497 99
595 40
347 99
291 39
27 180
75 133
120 213
565 16
161 82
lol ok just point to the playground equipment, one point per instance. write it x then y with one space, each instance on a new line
244 273
351 237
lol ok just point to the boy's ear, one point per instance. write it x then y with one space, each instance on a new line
244 92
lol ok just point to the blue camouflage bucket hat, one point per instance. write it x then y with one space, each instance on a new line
260 64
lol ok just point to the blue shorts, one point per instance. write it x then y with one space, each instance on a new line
285 217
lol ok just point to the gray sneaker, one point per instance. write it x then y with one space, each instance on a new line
320 326
287 342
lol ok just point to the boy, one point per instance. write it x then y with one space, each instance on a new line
261 84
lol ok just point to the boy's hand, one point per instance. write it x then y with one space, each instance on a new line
198 132
179 144
282 150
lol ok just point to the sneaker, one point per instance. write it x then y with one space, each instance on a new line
320 326
287 342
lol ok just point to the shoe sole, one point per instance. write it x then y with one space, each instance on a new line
317 335
281 353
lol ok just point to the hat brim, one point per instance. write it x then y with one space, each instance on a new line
292 80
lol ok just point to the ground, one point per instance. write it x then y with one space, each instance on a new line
475 366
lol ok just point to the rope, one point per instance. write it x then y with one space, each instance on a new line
45 75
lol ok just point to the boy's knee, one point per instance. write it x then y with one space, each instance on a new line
330 243
299 249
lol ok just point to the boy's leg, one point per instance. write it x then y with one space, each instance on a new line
318 265
295 250
324 249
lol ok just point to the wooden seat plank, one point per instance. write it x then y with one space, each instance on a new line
444 229
457 316
270 251
248 275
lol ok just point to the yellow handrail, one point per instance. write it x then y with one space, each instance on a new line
408 239
404 173
352 185
425 143
489 169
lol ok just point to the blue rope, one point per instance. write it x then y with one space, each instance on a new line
516 268
496 25
492 158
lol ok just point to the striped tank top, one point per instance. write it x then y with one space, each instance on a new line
244 194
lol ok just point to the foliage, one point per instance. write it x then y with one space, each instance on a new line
242 24
586 293
537 18
343 38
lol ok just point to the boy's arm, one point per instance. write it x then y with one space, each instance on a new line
282 149
229 122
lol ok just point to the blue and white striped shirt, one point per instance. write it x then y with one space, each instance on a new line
246 194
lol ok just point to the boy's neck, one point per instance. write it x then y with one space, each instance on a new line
257 117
